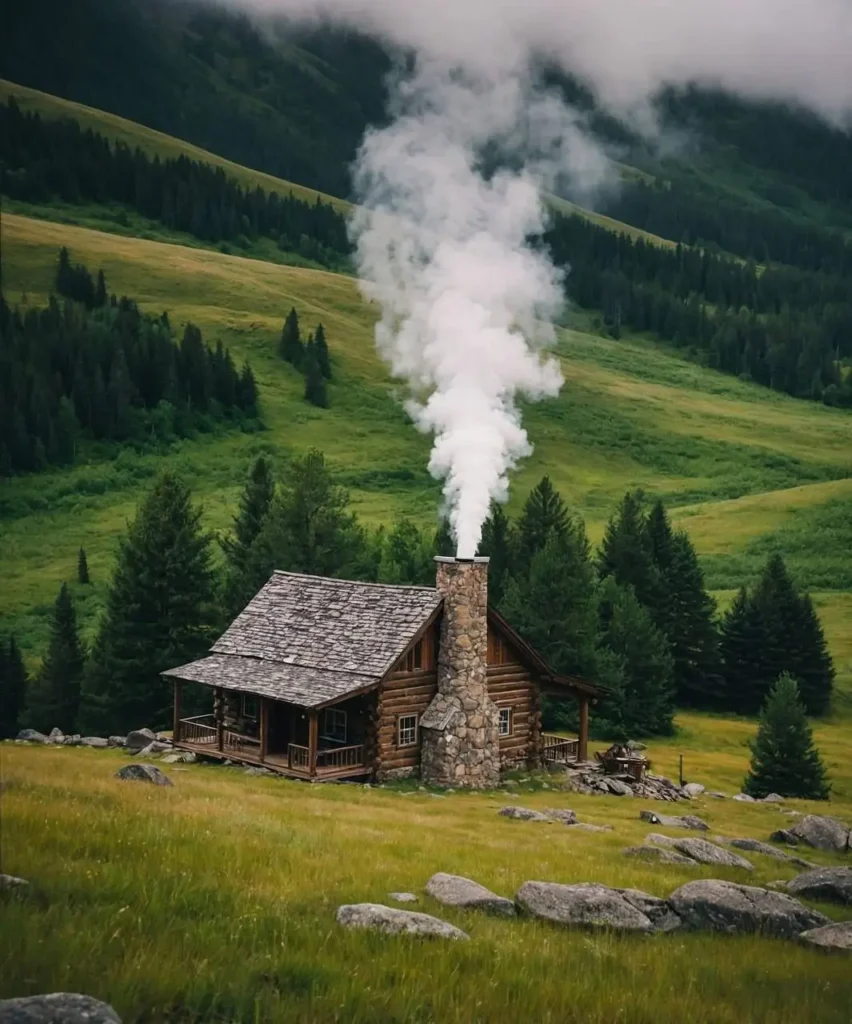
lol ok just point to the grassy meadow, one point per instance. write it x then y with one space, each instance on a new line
214 901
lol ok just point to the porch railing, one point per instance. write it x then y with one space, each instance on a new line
237 743
332 760
201 729
298 757
560 749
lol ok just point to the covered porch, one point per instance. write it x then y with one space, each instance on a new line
314 744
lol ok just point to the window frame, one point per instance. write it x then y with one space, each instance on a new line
338 718
510 721
247 699
414 731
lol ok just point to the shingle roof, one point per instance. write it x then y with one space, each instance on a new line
307 687
333 625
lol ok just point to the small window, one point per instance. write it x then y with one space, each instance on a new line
407 730
414 658
249 707
334 725
505 721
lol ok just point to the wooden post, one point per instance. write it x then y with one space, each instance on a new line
583 744
264 728
220 719
176 719
313 737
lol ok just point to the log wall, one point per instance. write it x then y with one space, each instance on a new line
403 693
511 685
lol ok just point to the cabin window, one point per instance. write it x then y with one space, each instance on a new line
334 725
407 730
248 707
505 721
498 651
414 658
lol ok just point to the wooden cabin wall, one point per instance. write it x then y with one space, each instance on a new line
511 684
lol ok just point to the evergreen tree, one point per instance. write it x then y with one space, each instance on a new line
55 696
247 394
553 605
323 357
13 688
158 612
82 567
639 670
784 759
497 542
813 666
290 346
316 390
254 505
625 553
444 543
406 556
310 527
100 290
544 513
741 643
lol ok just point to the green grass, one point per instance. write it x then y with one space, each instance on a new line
214 901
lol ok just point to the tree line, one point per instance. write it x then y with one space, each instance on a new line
92 367
633 616
44 159
311 357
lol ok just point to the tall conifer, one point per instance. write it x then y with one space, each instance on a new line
323 357
254 505
55 696
497 543
82 567
544 514
13 688
290 346
625 553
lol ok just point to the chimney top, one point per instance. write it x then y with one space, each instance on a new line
479 559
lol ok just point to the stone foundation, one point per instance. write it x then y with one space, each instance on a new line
460 743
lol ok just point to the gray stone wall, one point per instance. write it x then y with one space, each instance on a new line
459 735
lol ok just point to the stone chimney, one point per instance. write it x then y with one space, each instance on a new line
460 744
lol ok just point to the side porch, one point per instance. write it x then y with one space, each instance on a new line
302 743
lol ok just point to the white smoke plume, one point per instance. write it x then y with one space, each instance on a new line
443 247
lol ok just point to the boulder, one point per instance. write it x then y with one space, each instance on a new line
756 846
714 905
557 814
143 773
56 735
457 891
819 831
154 747
784 835
617 787
773 798
403 897
73 741
31 736
692 790
138 739
11 883
658 911
376 917
587 905
744 798
94 741
523 814
57 1008
117 741
701 850
658 854
675 821
831 938
585 826
834 885
179 757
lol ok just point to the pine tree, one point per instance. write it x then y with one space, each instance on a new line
813 667
55 697
497 542
741 642
100 290
406 556
158 612
316 391
544 513
323 357
82 567
444 542
254 505
13 688
784 759
639 670
625 552
247 394
290 346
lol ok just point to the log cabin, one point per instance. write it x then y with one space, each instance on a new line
322 678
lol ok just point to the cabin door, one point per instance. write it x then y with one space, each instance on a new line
281 724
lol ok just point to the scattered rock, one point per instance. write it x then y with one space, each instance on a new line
154 747
675 821
31 736
11 883
692 790
778 884
117 741
784 835
773 798
56 735
143 773
94 741
523 814
376 917
714 905
756 846
819 831
179 757
659 854
834 885
57 1008
457 891
557 814
617 787
73 741
138 739
744 798
716 794
590 778
403 897
587 905
658 911
831 938
585 826
701 850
